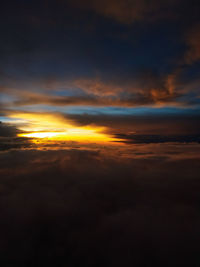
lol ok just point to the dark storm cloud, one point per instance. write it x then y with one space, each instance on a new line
154 139
68 44
7 130
111 210
10 140
13 143
141 124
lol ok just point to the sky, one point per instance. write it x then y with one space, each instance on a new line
101 59
99 133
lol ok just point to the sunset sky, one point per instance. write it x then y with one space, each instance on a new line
99 128
129 66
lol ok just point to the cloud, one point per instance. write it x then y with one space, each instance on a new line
111 209
192 54
10 140
105 69
126 11
8 130
153 124
147 88
153 97
158 139
98 87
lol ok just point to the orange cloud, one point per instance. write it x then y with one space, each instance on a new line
126 11
148 89
98 87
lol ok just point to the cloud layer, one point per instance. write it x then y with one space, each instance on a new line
117 207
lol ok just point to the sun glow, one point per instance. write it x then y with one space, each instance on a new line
57 128
38 135
73 134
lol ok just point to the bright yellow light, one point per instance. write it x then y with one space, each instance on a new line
80 136
38 135
54 127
